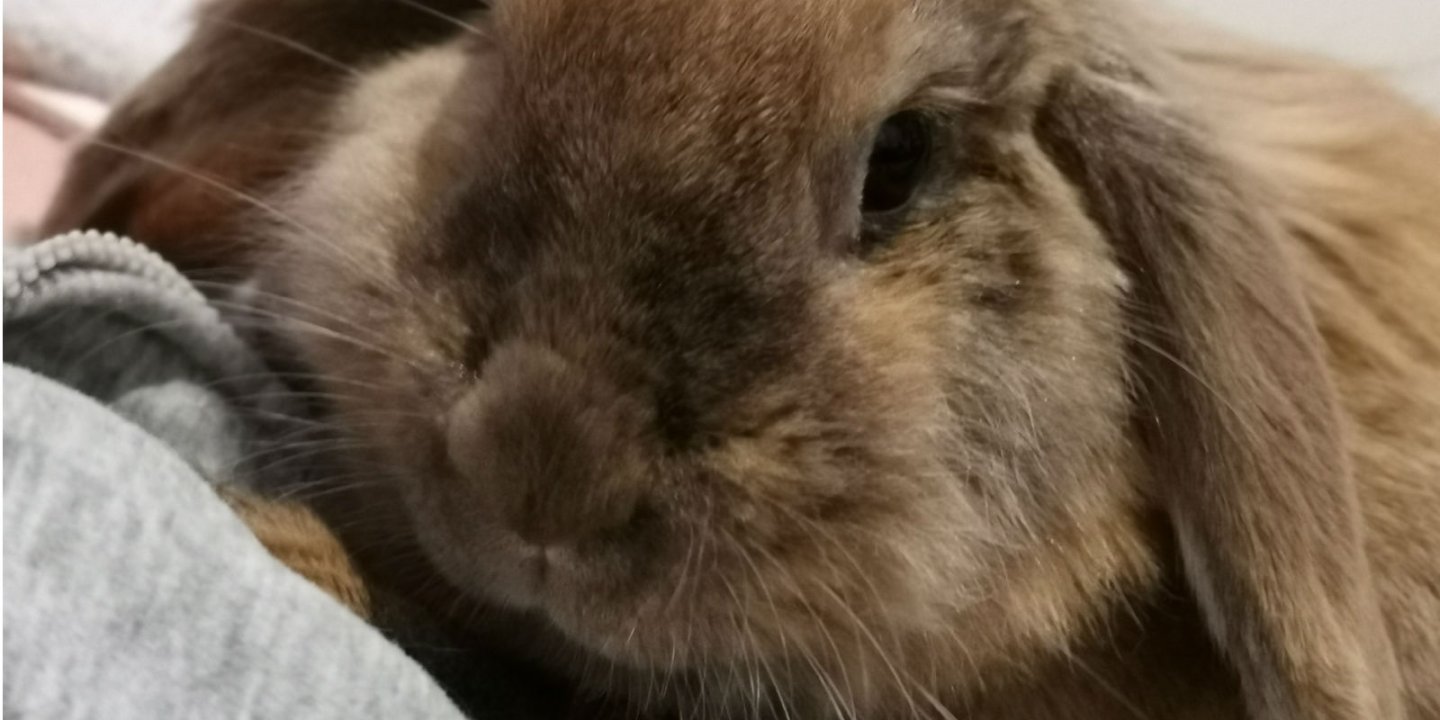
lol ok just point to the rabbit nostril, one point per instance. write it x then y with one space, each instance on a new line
547 449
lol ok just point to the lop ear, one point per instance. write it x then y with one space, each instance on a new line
1235 408
229 115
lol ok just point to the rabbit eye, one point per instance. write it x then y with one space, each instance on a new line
897 163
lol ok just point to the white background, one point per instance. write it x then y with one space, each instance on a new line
1398 38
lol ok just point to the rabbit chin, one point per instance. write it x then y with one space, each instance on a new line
576 598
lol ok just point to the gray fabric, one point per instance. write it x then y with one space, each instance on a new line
98 47
113 320
131 590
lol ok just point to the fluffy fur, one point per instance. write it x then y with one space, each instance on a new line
1134 413
292 532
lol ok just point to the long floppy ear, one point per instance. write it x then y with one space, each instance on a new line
229 115
1235 407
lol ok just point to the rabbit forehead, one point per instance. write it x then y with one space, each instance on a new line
795 60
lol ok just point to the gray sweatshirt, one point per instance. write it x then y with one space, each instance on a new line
131 590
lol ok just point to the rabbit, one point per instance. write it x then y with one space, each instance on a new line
843 358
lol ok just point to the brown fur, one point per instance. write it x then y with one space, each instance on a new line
1135 413
292 532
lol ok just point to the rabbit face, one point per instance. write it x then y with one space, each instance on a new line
719 353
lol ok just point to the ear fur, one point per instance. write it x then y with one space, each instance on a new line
1236 412
229 115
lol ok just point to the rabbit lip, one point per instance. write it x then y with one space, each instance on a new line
538 563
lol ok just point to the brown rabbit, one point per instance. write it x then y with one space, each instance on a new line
847 358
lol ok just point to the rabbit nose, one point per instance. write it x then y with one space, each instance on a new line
549 450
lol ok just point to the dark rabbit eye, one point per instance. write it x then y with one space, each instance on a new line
897 163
